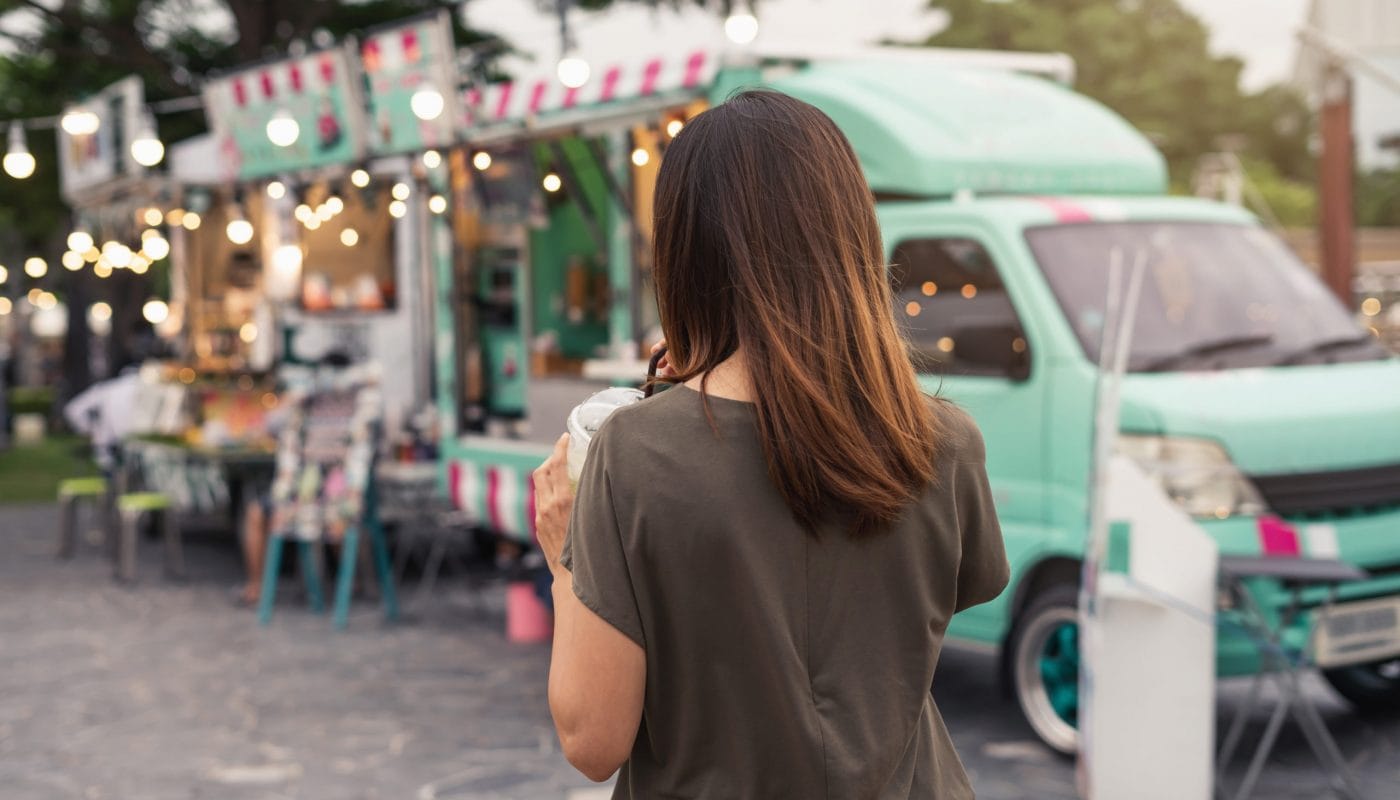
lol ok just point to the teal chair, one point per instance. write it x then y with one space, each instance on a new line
73 494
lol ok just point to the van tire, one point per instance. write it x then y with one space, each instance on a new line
1042 666
1371 687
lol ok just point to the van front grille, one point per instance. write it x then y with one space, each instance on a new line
1330 492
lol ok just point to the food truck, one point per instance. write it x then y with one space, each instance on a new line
1252 398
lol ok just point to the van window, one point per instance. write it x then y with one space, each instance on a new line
1214 296
953 307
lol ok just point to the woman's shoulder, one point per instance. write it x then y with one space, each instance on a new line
959 438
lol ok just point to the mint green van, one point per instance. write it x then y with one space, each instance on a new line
1003 198
1251 390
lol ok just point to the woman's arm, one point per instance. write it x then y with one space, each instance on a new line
597 675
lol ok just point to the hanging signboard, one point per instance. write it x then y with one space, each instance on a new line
285 116
410 80
94 146
539 94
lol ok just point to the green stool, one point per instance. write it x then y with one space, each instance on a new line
72 494
131 507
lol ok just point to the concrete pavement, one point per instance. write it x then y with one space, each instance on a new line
167 692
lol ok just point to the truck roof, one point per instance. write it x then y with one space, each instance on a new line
1021 212
931 129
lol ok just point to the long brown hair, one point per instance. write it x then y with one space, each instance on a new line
766 242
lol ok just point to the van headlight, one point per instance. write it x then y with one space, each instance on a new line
1197 474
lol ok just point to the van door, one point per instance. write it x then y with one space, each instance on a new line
973 345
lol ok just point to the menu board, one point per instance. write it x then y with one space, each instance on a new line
408 65
316 91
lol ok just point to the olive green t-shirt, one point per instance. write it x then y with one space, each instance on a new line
778 664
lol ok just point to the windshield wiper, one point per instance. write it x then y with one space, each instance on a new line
1325 346
1204 349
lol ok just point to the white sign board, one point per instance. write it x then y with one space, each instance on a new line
90 160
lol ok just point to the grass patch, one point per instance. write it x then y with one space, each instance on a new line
31 473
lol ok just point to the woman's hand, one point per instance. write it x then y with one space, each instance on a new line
663 367
554 499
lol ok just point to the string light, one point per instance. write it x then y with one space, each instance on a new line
283 129
79 240
349 237
573 70
432 159
640 156
481 160
238 229
741 26
4 274
401 191
151 217
335 205
437 204
674 127
247 332
276 190
147 149
91 255
18 161
360 178
397 209
102 269
155 247
303 213
427 103
80 122
100 311
312 222
5 306
190 221
72 260
324 212
117 254
155 311
552 183
175 216
35 267
45 301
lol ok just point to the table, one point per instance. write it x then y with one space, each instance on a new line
1281 665
239 468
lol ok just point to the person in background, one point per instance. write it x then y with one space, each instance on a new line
754 579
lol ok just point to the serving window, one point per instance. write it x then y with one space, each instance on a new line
348 244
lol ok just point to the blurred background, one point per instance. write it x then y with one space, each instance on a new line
294 295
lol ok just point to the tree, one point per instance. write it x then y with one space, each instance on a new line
1149 60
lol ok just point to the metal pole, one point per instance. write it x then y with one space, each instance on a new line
1337 222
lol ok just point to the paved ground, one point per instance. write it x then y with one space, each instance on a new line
167 692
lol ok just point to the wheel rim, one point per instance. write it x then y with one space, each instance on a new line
1047 677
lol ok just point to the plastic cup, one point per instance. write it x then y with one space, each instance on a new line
587 417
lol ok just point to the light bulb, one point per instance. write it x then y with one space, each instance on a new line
437 204
324 213
139 264
35 267
80 122
276 190
190 221
282 128
335 204
72 260
741 26
247 332
303 212
286 259
100 311
481 160
401 191
155 247
152 216
674 127
4 274
397 209
45 301
79 241
147 149
5 306
155 311
573 71
91 255
432 159
117 254
312 222
552 183
102 269
427 103
239 230
349 237
360 178
640 157
18 161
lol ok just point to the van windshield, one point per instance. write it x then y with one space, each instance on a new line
1214 296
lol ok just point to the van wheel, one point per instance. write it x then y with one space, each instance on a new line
1044 666
1369 687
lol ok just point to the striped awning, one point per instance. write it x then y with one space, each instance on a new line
539 94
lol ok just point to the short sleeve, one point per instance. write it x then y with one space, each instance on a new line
594 551
983 571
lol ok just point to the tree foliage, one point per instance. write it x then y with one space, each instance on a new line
1150 61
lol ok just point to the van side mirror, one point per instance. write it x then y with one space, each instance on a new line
995 350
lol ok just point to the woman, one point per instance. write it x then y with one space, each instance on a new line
753 581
